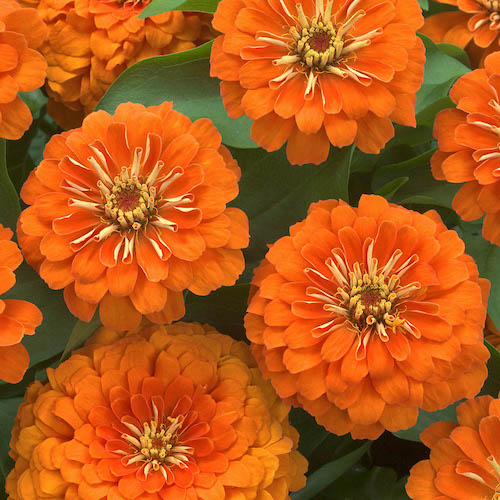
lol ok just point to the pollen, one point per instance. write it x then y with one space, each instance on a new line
158 445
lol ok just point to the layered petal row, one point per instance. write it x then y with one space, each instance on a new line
468 146
91 42
464 459
363 316
17 317
317 73
473 26
164 413
129 211
22 68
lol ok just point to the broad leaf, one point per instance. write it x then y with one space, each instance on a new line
326 475
81 332
52 335
161 6
378 483
9 200
183 78
276 195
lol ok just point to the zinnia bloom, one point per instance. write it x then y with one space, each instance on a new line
468 142
130 211
17 317
465 457
165 413
475 27
91 42
364 315
316 73
23 69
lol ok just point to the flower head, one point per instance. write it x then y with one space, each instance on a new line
475 27
364 315
319 72
130 210
465 459
17 317
468 146
165 413
91 42
23 69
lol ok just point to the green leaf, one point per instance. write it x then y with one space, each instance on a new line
311 434
441 71
424 4
223 309
455 51
185 79
275 194
52 335
367 484
326 475
426 418
79 335
492 384
487 258
389 189
8 411
161 6
10 207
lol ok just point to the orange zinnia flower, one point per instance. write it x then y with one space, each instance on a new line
91 42
130 210
171 413
465 457
474 27
364 315
468 142
22 69
314 74
17 317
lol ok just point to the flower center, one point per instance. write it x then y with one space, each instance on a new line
371 301
366 299
318 44
490 5
129 201
158 445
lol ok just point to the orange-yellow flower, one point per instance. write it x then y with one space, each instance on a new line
130 211
468 146
165 413
474 27
318 73
91 42
465 456
364 315
17 317
22 69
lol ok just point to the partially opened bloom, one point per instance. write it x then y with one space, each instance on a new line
317 73
17 317
171 413
130 211
91 42
464 461
474 26
469 146
364 315
22 69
